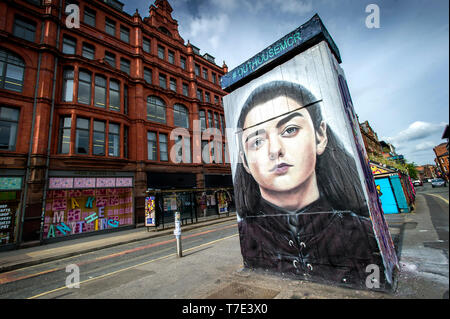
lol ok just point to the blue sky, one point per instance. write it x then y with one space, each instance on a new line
398 75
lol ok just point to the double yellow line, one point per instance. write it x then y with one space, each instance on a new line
128 268
438 196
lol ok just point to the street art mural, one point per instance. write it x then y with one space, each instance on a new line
306 201
70 211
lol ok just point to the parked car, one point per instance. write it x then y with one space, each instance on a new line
438 182
417 182
429 180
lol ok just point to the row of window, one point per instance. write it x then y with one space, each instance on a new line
26 29
102 138
156 107
89 18
101 86
218 121
157 144
87 142
88 51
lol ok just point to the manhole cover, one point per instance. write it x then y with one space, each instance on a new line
240 291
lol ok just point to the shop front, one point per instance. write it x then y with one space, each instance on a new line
171 192
10 199
85 205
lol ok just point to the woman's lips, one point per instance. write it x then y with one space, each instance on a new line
281 168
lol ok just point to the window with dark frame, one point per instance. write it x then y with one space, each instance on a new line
68 77
89 16
222 125
171 56
152 146
64 135
114 95
113 140
207 97
12 71
125 141
161 52
100 91
69 45
156 109
202 120
148 75
200 95
125 65
197 69
82 136
216 99
216 121
205 74
146 45
9 121
213 77
88 51
173 84
180 116
185 89
24 29
210 120
163 154
98 141
162 81
110 58
124 34
183 63
125 99
110 27
84 87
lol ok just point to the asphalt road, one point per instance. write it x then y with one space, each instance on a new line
107 269
423 248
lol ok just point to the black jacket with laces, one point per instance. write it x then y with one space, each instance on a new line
316 243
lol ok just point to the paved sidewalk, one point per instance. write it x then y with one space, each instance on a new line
19 258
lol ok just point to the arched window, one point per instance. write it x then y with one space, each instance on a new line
156 109
165 31
12 69
180 116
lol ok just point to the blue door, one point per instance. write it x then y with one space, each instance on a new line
399 194
387 196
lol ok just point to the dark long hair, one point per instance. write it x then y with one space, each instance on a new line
337 176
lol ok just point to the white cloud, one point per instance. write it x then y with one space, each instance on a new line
208 25
416 131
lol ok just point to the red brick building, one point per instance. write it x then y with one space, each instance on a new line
87 112
370 138
441 160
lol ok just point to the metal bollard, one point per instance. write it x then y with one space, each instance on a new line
177 233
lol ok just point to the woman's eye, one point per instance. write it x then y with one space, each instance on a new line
257 143
289 131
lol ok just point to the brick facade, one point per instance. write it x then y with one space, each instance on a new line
442 160
53 89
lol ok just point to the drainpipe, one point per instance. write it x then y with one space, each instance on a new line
30 148
50 129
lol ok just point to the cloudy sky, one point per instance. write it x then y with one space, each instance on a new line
398 74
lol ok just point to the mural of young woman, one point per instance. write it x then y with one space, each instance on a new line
301 207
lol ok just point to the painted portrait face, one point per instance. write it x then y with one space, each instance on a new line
281 145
